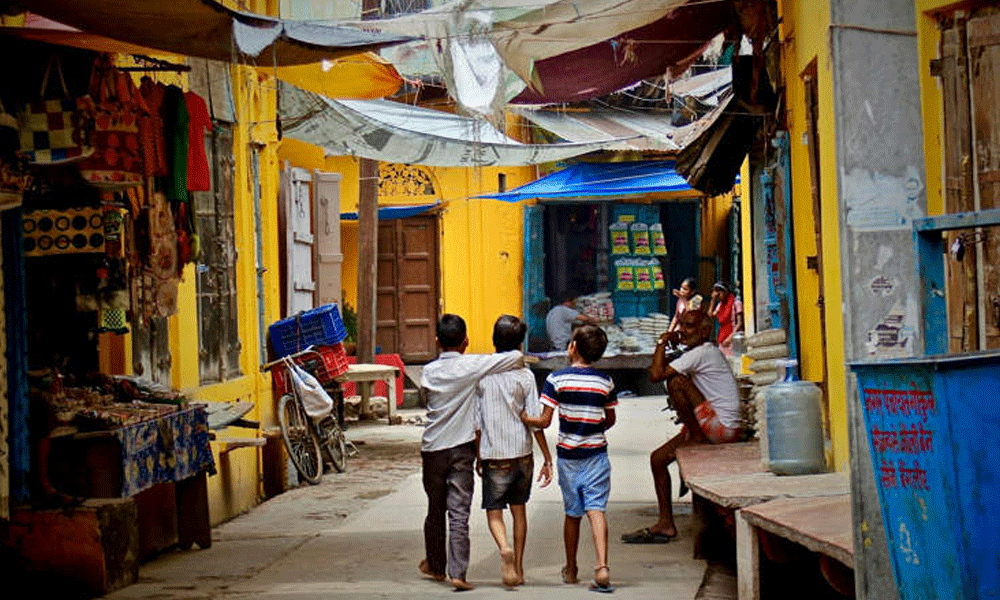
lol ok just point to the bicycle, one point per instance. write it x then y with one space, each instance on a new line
309 441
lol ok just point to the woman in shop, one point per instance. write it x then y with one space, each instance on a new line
685 297
728 311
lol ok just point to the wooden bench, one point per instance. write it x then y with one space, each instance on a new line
813 511
821 524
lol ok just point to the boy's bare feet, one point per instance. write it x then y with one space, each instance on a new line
507 570
461 585
569 574
425 568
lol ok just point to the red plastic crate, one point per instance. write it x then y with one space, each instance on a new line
325 363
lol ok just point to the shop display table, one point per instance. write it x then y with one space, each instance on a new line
367 374
162 463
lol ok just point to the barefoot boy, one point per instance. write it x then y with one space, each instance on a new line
448 447
505 452
586 400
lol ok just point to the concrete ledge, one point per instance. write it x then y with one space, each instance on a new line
93 547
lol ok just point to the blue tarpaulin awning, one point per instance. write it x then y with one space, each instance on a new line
394 212
594 180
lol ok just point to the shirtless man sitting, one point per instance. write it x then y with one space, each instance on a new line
704 393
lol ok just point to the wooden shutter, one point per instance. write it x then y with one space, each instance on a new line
984 54
300 286
218 318
328 259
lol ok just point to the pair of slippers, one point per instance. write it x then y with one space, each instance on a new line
646 536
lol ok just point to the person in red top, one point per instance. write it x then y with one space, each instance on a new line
729 312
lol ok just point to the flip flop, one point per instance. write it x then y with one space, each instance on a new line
604 586
646 536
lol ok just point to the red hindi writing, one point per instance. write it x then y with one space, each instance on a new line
900 402
908 440
912 477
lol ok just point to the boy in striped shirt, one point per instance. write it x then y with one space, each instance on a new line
585 399
504 458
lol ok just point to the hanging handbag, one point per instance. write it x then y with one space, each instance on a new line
55 131
118 109
13 176
314 398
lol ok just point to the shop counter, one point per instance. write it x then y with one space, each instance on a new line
163 463
629 371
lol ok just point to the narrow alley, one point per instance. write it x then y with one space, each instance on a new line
358 534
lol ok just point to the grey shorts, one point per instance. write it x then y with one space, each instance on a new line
507 481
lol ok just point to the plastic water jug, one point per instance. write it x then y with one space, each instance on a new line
794 420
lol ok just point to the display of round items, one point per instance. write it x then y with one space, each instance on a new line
79 222
44 242
45 224
96 240
29 226
62 242
62 223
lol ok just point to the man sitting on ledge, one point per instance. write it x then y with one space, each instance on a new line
704 394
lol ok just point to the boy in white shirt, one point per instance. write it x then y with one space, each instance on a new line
505 450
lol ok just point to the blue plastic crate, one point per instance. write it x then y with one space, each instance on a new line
318 326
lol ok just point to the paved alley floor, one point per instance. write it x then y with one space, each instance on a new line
359 534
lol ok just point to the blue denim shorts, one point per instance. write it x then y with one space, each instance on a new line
585 483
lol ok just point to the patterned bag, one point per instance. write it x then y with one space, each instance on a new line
13 177
118 109
55 131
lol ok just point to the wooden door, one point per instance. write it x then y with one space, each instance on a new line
407 290
774 256
536 305
953 68
984 65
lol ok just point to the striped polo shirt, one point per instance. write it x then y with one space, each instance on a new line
580 394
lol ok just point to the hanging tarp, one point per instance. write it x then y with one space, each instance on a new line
207 29
601 181
386 213
570 25
457 48
398 133
616 129
37 28
360 76
603 64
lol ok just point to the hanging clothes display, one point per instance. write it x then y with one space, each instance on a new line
177 131
199 123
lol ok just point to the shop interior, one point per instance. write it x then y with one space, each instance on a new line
611 280
102 227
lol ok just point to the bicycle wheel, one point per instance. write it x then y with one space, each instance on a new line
300 441
335 447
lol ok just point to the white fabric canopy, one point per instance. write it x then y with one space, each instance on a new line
398 133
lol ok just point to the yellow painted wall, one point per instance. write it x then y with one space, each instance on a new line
804 37
931 102
481 240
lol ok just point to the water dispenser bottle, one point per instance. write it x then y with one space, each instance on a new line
794 408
